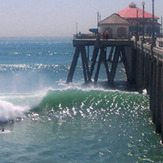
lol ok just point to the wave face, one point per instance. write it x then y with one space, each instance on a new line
91 104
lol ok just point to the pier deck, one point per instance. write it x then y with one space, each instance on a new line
102 42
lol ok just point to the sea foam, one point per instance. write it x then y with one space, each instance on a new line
15 105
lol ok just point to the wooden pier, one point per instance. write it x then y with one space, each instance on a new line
143 65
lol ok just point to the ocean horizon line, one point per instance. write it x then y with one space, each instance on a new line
35 37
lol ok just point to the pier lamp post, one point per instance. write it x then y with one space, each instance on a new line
161 27
153 25
137 26
143 4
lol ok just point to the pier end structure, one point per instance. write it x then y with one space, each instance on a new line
122 49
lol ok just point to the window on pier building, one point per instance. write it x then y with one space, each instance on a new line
121 32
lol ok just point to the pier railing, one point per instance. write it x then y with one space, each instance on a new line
84 36
98 36
147 39
147 48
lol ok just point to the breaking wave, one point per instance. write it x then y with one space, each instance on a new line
90 104
9 111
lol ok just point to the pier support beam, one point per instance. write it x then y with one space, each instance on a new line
102 58
141 71
148 72
114 65
162 102
85 64
158 97
135 64
128 69
105 63
73 64
111 54
145 71
94 58
79 50
153 99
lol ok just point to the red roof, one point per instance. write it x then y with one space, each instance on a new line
131 12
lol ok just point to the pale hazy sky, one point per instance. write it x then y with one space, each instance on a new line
40 18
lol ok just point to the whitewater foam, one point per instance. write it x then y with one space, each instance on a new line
15 105
9 111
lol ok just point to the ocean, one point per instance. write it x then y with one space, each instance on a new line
49 121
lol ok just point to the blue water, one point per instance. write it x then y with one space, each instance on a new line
48 120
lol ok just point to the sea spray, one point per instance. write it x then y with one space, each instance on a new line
16 105
8 111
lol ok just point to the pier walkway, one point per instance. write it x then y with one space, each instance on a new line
143 66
